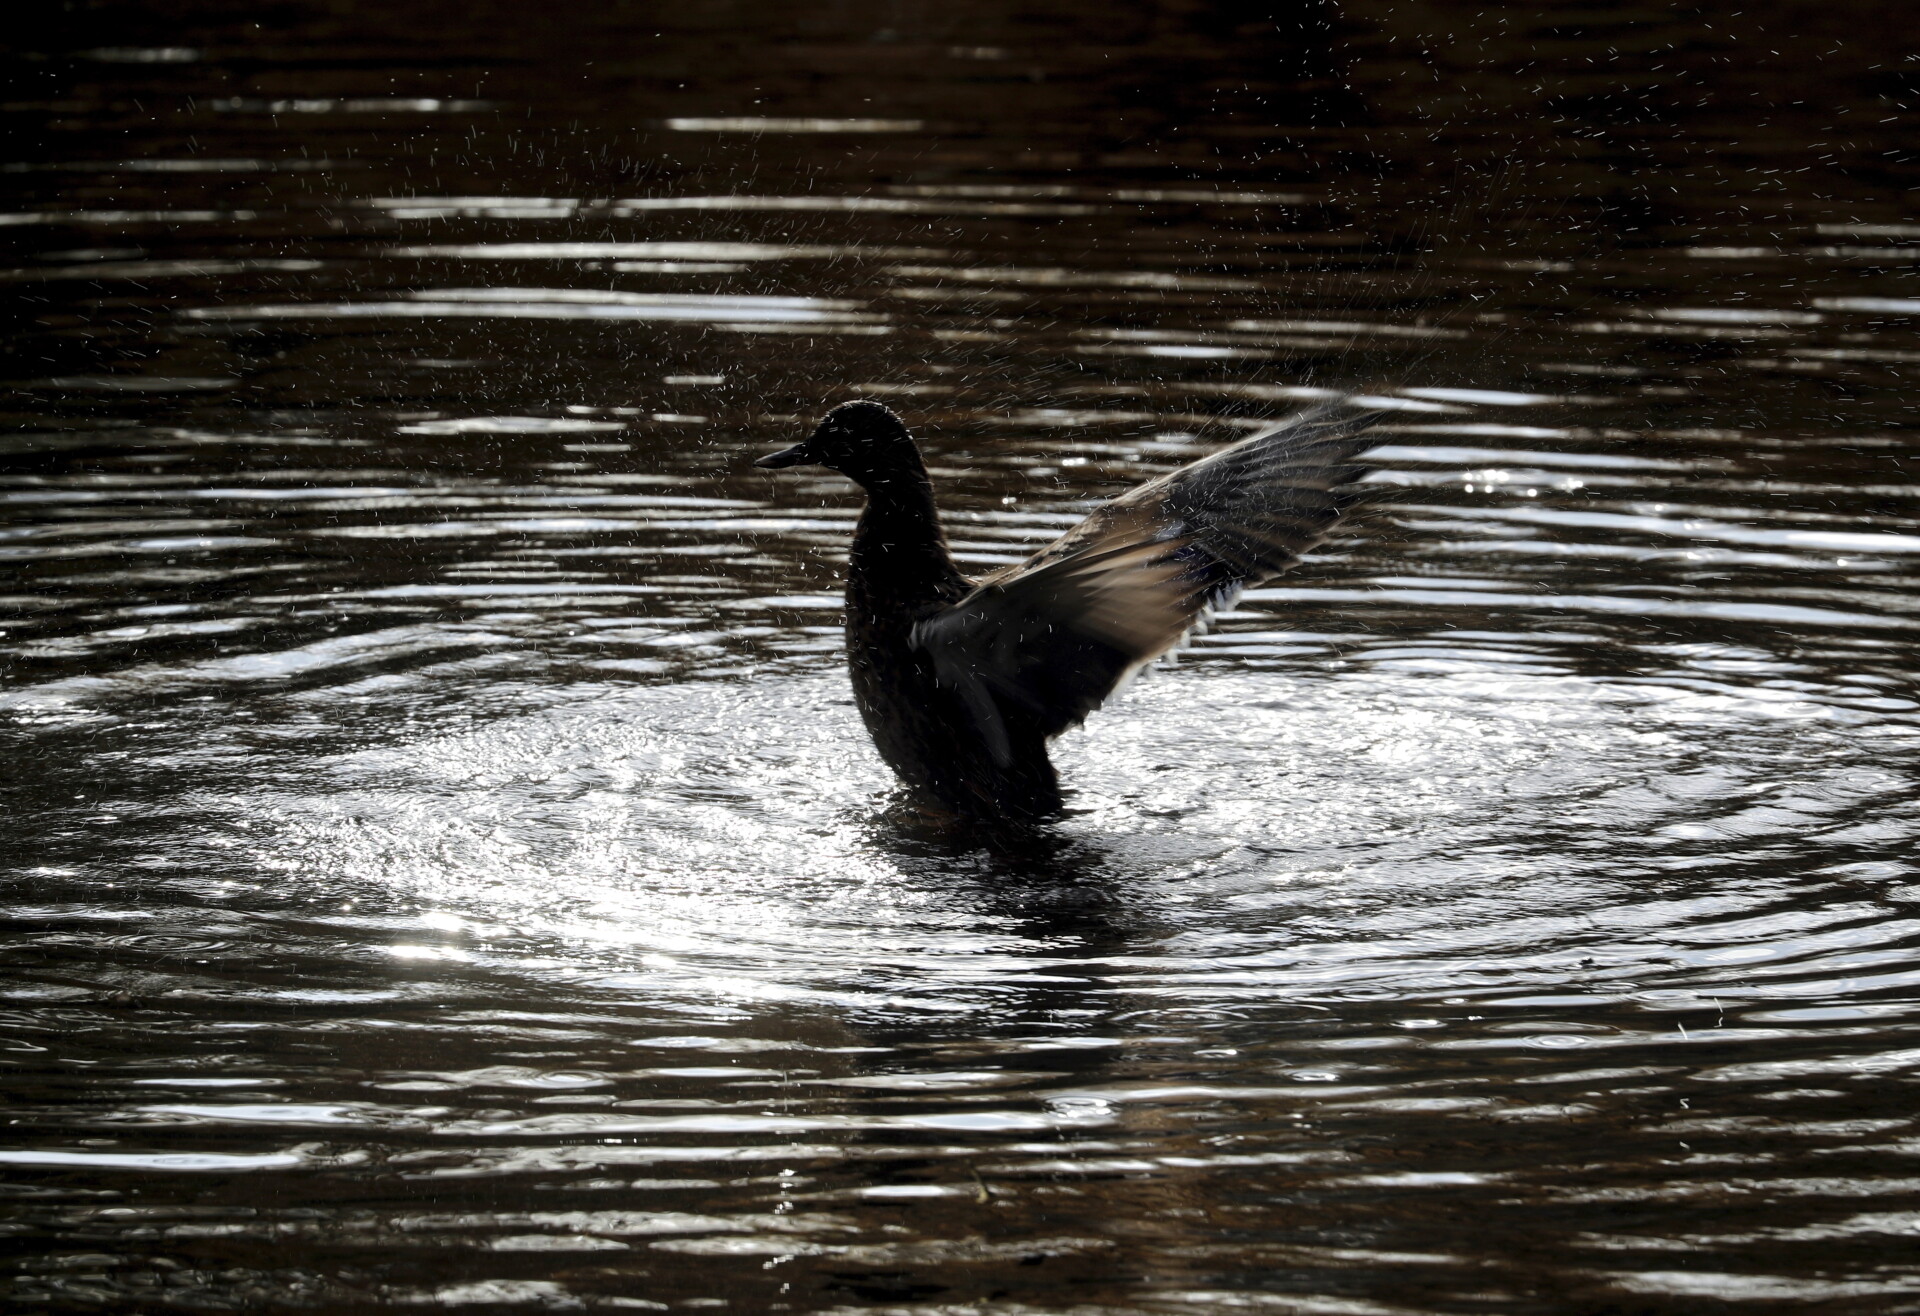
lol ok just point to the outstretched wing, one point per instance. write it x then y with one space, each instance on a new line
1043 643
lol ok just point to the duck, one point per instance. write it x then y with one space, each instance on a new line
963 683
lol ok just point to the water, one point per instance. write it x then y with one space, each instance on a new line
445 868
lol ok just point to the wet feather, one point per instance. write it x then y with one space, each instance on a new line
963 683
1058 634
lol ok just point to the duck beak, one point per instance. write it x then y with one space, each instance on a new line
797 455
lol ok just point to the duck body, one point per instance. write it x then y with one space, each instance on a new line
921 727
962 683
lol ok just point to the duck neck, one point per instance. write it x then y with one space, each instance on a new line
899 550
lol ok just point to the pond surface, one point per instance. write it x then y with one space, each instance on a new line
444 866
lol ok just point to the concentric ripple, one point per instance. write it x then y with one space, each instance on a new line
446 869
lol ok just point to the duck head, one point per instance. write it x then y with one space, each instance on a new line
861 440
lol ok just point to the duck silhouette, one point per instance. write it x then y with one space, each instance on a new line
963 682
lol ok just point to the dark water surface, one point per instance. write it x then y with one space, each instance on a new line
443 868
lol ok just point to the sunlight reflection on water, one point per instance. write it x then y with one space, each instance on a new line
444 846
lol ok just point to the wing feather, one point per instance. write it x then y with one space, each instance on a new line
1045 642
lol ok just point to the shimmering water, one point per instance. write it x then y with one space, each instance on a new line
444 867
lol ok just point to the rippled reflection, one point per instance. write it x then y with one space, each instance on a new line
447 868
